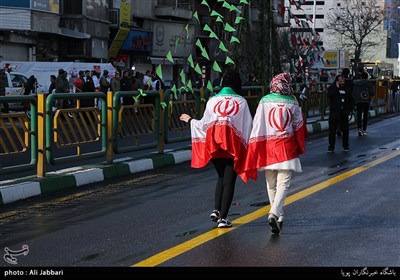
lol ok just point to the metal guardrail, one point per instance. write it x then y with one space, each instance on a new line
18 135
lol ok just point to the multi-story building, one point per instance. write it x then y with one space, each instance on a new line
53 30
385 51
392 25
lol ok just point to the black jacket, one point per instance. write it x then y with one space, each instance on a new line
363 90
341 102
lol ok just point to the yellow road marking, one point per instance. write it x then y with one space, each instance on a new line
214 233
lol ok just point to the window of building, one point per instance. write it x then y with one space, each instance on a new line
72 7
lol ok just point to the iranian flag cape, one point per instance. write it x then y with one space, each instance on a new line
278 132
223 131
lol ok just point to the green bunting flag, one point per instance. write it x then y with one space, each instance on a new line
173 89
210 87
238 20
215 13
216 67
187 31
183 77
169 57
219 20
196 16
205 54
226 5
190 60
177 42
198 43
213 35
222 47
198 69
234 39
159 71
204 2
229 28
244 2
189 85
228 60
234 8
207 28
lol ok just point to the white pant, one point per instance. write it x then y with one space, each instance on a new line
278 182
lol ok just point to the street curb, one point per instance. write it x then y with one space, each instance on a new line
80 176
324 125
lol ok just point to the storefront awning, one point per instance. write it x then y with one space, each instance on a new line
74 34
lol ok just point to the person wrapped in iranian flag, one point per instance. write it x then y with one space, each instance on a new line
276 142
221 137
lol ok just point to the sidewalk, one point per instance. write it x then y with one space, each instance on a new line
21 188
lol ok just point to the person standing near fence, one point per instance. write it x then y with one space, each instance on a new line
363 92
340 107
275 144
221 137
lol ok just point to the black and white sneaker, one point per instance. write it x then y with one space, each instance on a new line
273 222
214 216
224 223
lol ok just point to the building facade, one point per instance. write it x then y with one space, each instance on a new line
54 30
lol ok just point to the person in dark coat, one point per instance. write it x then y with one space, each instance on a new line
126 85
31 85
363 92
341 106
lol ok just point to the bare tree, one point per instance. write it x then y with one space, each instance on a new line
356 22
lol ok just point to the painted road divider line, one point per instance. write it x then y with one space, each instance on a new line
214 233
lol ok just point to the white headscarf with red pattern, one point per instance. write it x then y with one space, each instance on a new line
282 84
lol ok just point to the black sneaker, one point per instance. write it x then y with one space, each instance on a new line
330 150
360 132
224 223
273 222
214 216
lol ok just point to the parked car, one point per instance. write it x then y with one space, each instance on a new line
15 86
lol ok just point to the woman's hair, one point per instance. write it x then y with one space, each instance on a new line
232 79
